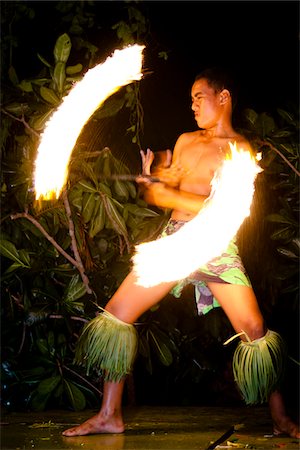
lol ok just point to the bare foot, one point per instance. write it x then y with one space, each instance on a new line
286 426
282 423
96 441
96 425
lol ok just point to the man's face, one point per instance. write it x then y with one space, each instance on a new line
205 104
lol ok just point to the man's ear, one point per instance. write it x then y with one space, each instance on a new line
224 96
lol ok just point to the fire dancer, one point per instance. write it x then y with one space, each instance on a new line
185 185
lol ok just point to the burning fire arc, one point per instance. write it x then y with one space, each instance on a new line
65 124
173 257
208 234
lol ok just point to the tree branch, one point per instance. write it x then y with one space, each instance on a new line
79 263
22 120
271 146
47 235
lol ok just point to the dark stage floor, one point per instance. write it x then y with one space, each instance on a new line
148 428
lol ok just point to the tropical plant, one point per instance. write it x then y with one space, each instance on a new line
275 215
62 259
58 256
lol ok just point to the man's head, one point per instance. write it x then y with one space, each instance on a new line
212 94
220 79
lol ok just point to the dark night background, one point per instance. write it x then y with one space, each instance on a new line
257 40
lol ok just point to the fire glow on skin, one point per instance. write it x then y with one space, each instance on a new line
208 234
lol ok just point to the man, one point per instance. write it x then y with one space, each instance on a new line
183 189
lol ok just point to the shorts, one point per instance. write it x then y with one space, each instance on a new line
226 268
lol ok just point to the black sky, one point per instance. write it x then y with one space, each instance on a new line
257 40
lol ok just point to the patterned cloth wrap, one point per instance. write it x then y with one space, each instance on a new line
226 268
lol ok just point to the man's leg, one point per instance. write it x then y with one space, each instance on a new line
282 423
241 307
109 419
128 303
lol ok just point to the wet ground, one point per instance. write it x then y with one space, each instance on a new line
148 428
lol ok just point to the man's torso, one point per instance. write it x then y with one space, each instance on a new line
199 158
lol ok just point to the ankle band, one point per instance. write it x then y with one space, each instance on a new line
258 367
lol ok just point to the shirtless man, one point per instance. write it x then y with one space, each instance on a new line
185 186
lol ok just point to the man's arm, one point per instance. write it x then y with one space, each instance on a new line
166 194
163 196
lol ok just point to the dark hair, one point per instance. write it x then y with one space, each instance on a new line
219 79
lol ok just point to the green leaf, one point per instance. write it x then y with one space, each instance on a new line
39 401
265 124
62 48
39 122
33 374
49 95
110 108
98 222
287 253
131 189
44 61
9 250
12 74
17 109
140 212
25 86
102 187
144 348
42 346
287 116
88 206
50 339
121 190
278 218
164 55
163 351
24 256
87 186
289 148
76 289
59 76
71 70
49 384
14 266
281 134
251 116
58 391
285 234
75 396
116 220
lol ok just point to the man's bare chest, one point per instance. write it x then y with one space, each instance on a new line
200 160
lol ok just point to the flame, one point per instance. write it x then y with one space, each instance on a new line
65 125
208 234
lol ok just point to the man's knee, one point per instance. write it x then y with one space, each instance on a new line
254 328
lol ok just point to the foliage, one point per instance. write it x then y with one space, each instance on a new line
45 300
44 297
274 220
